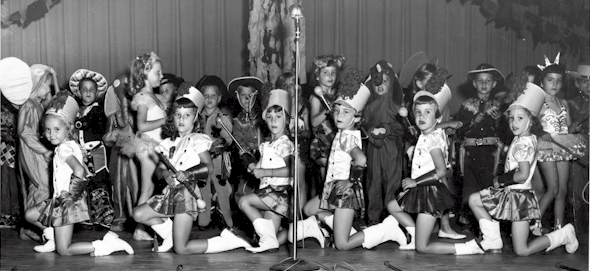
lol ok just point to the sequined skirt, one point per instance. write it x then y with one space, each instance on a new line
511 204
351 198
177 200
575 144
63 210
430 199
277 198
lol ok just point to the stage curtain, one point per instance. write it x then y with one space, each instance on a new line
195 38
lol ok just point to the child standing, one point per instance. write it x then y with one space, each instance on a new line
384 131
188 153
270 203
123 170
326 69
480 149
212 88
286 81
88 87
513 188
168 87
57 215
246 127
553 160
146 74
15 85
33 155
342 195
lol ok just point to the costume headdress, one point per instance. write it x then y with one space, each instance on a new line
81 74
212 80
321 62
487 68
583 72
376 79
406 75
63 105
437 88
148 59
278 97
528 95
187 90
39 74
15 83
548 63
353 93
252 81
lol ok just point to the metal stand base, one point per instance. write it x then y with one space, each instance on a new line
294 264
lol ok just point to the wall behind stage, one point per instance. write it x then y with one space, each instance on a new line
194 38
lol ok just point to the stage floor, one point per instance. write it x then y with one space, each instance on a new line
19 255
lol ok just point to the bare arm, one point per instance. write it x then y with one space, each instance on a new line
143 125
317 114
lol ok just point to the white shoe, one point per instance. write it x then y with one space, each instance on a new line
388 230
308 228
469 248
412 244
454 236
109 244
164 230
268 237
49 246
492 239
564 236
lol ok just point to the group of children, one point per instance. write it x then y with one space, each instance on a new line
353 123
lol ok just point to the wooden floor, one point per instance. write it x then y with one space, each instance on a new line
19 255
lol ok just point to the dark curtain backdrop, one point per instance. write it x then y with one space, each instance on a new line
194 38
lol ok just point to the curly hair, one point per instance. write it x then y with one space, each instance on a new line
536 127
139 66
424 71
324 61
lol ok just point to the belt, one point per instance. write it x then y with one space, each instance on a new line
484 141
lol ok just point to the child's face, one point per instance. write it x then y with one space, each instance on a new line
583 85
44 92
425 116
55 130
344 116
484 83
289 86
212 97
385 87
519 121
245 97
88 92
184 120
168 91
154 75
552 83
327 76
276 121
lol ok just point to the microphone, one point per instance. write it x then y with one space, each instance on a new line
296 13
560 265
386 263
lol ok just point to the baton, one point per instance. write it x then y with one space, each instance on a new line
569 151
218 119
173 169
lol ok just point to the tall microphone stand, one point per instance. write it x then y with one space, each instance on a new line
293 263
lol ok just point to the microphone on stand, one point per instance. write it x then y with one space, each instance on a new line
296 13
